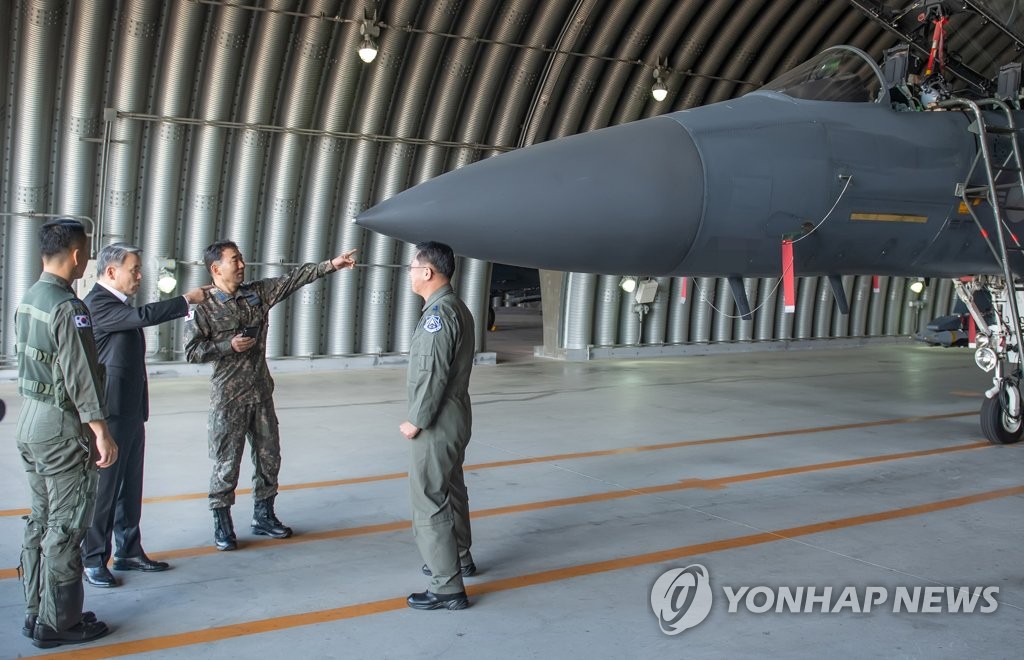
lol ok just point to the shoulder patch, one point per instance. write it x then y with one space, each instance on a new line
432 323
83 321
191 313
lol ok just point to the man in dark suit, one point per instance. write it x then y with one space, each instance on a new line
122 350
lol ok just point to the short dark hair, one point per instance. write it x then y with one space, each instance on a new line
438 255
61 235
213 253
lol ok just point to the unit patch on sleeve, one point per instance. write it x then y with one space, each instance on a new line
432 323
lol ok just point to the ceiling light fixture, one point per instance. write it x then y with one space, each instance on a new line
660 91
370 30
473 39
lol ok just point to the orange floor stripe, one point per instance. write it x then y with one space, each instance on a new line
717 483
398 525
560 457
220 633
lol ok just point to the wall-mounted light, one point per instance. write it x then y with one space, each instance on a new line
370 30
917 285
628 284
167 281
660 91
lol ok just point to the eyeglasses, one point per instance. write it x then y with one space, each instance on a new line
410 267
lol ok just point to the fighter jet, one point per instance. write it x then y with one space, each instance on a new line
713 190
836 168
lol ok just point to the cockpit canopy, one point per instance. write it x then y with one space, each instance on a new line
841 73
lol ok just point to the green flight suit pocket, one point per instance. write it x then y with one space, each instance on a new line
39 422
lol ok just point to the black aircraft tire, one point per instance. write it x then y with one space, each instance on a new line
994 423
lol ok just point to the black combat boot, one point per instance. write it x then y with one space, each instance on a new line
224 530
82 632
74 628
266 523
30 622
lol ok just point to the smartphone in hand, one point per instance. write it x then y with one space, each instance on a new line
251 331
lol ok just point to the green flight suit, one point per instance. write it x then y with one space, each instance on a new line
440 362
62 382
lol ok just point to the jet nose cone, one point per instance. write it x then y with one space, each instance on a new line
627 198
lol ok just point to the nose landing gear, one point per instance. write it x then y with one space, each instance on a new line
1001 416
998 351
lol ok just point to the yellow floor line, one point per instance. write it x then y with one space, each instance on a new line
9 573
272 624
561 457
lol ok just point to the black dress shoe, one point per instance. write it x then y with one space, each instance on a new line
428 600
45 637
468 570
99 576
140 563
30 622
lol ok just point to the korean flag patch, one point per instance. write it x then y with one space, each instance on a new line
432 324
83 321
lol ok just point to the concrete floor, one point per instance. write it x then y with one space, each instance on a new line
834 468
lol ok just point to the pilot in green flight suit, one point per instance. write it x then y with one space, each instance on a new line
439 425
62 437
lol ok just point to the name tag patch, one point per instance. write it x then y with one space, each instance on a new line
83 321
432 323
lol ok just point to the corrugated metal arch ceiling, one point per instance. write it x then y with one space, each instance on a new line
326 135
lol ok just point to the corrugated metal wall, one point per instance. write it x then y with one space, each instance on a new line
707 313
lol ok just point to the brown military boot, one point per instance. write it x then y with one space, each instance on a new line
224 530
264 521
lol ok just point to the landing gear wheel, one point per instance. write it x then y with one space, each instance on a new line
997 426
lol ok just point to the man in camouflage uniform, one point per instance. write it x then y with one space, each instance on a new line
241 394
62 437
439 425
